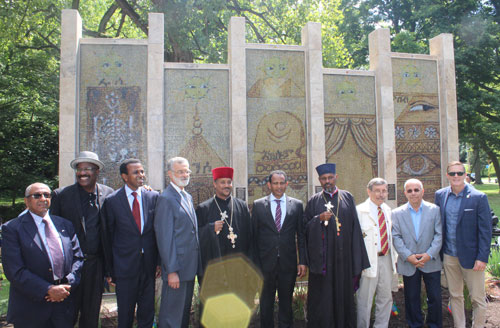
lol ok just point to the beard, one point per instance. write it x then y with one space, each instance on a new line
180 182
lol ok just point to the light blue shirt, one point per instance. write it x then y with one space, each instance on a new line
416 218
41 232
274 205
452 208
130 199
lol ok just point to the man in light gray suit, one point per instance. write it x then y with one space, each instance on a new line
177 238
417 237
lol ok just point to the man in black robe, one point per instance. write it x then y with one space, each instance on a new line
336 253
219 215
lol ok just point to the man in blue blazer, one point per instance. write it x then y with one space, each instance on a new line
466 217
417 237
42 259
177 236
131 253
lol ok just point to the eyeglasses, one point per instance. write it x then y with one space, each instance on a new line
39 195
85 169
452 174
181 172
409 191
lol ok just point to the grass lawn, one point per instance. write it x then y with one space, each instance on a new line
491 189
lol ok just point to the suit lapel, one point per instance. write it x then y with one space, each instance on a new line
462 203
122 196
32 230
66 243
145 207
267 205
409 221
178 198
423 218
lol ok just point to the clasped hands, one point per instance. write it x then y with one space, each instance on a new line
418 260
58 293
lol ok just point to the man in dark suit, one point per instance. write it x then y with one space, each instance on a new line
278 232
466 217
131 253
81 203
42 259
417 237
177 237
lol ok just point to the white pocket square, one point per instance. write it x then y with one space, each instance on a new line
468 209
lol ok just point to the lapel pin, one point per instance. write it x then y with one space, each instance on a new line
468 196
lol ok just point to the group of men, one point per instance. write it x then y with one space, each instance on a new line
132 235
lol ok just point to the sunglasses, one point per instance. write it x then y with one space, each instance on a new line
409 191
39 195
452 174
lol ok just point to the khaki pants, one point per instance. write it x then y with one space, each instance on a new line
455 275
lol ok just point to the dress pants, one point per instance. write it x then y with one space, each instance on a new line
455 275
412 288
175 306
61 317
284 282
88 294
138 290
380 286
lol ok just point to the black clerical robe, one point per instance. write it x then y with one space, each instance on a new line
333 260
214 245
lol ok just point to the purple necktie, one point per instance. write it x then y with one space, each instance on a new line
277 219
55 250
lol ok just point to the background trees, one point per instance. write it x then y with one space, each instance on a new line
196 31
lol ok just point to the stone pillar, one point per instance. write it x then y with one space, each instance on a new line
155 94
71 33
380 63
238 103
316 154
441 46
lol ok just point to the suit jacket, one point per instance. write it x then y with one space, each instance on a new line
125 245
370 230
269 242
26 264
473 227
429 237
177 236
66 202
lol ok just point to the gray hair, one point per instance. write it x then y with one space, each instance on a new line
177 160
413 181
27 192
376 182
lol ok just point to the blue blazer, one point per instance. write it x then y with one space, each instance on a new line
27 266
124 242
177 237
473 227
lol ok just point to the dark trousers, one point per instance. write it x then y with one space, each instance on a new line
88 294
140 290
412 288
61 316
175 306
282 281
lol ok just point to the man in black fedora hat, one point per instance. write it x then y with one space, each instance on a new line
81 203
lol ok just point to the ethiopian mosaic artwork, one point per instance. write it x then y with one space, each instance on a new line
351 130
112 105
197 124
416 117
276 107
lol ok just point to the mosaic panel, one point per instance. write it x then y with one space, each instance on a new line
416 106
112 118
351 130
276 107
197 124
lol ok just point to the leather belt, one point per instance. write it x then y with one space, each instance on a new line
60 281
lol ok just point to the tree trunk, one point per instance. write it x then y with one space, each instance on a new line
476 165
494 160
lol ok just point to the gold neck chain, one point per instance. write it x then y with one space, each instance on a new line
335 214
223 217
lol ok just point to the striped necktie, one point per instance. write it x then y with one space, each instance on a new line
277 219
384 241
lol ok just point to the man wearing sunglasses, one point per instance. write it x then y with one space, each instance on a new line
81 203
417 237
42 259
467 228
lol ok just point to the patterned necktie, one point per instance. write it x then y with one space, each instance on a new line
383 231
187 203
277 219
136 212
55 250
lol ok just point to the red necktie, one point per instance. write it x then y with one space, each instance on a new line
136 212
277 219
383 231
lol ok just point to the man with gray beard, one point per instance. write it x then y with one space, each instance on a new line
177 238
